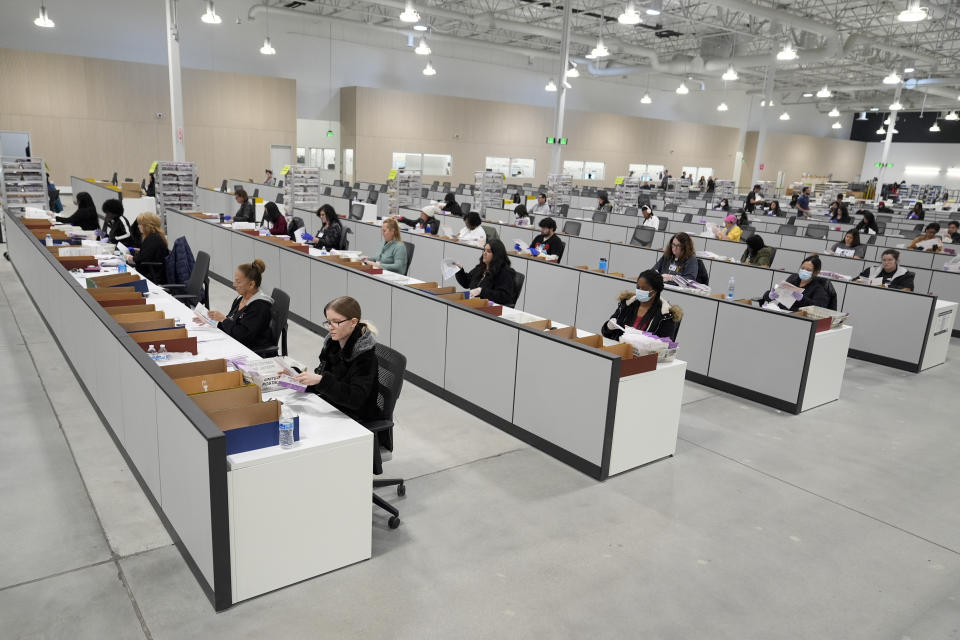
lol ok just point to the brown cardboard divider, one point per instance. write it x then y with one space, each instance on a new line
234 398
112 279
55 234
481 304
138 316
565 332
36 223
247 416
215 382
130 308
148 325
129 300
199 368
432 288
455 296
160 335
630 364
112 294
540 325
174 345
78 262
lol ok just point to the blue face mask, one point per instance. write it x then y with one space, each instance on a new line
804 275
643 295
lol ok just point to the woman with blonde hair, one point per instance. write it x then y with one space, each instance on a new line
392 255
150 259
248 321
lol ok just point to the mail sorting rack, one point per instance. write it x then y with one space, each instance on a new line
302 186
24 183
559 186
404 190
626 194
488 188
177 185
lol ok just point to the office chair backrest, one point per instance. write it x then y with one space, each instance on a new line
871 239
883 218
676 330
199 280
773 254
818 231
563 210
326 191
390 368
223 187
410 249
518 279
348 193
296 223
338 183
345 240
424 192
643 236
630 211
832 302
918 227
279 199
465 208
143 185
356 211
792 220
561 247
688 217
788 230
703 275
600 216
278 319
373 196
256 193
491 231
881 228
280 184
113 180
662 223
746 231
571 227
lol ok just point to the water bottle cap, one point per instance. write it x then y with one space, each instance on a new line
163 346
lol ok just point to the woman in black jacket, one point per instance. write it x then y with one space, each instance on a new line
816 290
451 206
644 309
247 211
347 374
152 186
85 216
248 321
493 277
115 226
330 236
151 259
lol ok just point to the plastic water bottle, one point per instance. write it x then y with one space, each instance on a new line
286 432
122 267
152 353
603 265
48 240
163 356
730 288
206 387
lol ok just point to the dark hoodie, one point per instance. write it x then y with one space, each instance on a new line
250 326
661 318
349 380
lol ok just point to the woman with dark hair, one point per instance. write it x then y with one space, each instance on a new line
917 213
793 200
85 216
775 209
493 277
889 273
841 214
816 290
679 259
757 252
248 210
603 203
644 309
450 205
520 216
276 220
724 205
152 186
867 224
744 219
472 232
850 246
330 235
347 374
248 321
115 226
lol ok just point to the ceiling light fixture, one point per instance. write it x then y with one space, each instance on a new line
429 70
787 53
600 51
419 27
551 86
896 106
567 85
646 99
836 125
913 13
909 70
409 14
682 90
423 49
935 128
834 113
43 20
655 8
763 103
808 95
730 74
824 93
893 78
267 48
210 15
722 107
784 116
881 131
874 108
630 16
862 117
573 72
951 116
886 122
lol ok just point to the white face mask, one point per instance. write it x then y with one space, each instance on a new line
804 275
643 295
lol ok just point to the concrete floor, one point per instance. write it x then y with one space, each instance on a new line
840 523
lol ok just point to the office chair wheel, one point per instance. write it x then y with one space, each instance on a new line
401 490
393 522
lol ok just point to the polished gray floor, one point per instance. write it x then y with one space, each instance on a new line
840 523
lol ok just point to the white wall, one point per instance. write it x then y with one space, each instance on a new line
914 154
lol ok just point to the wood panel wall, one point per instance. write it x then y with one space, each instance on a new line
90 117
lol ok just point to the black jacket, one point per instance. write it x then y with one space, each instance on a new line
151 189
431 222
453 208
86 219
554 244
350 380
816 293
661 318
329 238
152 249
899 279
117 229
498 288
246 213
250 326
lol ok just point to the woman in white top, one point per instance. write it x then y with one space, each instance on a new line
472 232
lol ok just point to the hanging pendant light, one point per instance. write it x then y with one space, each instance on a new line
429 70
646 99
784 116
836 125
43 20
573 72
834 113
682 90
423 49
787 53
730 74
951 116
210 15
551 86
630 16
267 48
824 92
600 51
723 107
409 14
893 78
913 13
881 131
655 7
935 128
896 106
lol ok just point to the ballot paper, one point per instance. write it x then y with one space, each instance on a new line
711 229
203 314
448 268
932 243
785 292
122 248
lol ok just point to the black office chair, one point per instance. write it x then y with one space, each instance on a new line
643 236
373 196
465 208
818 231
630 211
390 369
326 191
518 279
788 230
296 223
223 187
491 231
871 239
113 180
143 186
918 228
571 227
662 223
197 287
688 217
279 199
338 183
280 184
424 192
256 193
883 218
792 220
278 325
600 216
881 228
345 239
356 186
832 301
563 210
746 231
356 211
561 246
410 249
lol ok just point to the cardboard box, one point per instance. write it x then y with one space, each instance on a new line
188 369
481 304
112 294
146 316
36 223
147 325
120 302
432 288
252 427
132 308
160 335
130 189
78 262
630 364
235 398
111 280
215 382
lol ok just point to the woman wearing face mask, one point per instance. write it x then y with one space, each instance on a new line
816 290
248 321
723 206
678 259
644 309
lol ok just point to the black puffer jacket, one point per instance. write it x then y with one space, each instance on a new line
817 293
662 319
349 380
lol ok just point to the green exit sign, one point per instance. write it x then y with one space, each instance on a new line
562 141
882 165
329 133
553 140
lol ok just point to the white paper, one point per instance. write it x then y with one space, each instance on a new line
448 268
203 314
122 248
785 292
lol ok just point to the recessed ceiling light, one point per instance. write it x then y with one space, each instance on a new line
409 14
682 89
645 99
419 27
913 13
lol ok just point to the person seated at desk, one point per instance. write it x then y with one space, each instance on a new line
153 249
547 241
541 208
889 273
450 205
803 202
730 229
867 224
115 226
702 183
917 213
85 216
392 255
520 216
711 185
152 186
793 200
645 309
603 202
426 221
883 208
276 220
269 180
248 321
649 220
472 232
753 199
850 246
841 214
835 205
928 240
816 290
493 277
953 231
678 259
347 374
330 234
757 252
723 206
247 211
775 209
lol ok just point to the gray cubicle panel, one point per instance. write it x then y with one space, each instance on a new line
268 193
215 201
879 316
448 345
947 286
182 467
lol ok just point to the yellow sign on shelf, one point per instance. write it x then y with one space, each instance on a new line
619 180
392 175
285 170
153 167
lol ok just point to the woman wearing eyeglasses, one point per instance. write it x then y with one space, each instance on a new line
678 259
347 374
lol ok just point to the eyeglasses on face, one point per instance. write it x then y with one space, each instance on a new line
326 324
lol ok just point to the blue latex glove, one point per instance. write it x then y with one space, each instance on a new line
534 252
516 246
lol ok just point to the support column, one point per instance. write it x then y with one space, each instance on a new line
556 156
762 129
887 141
742 143
176 89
